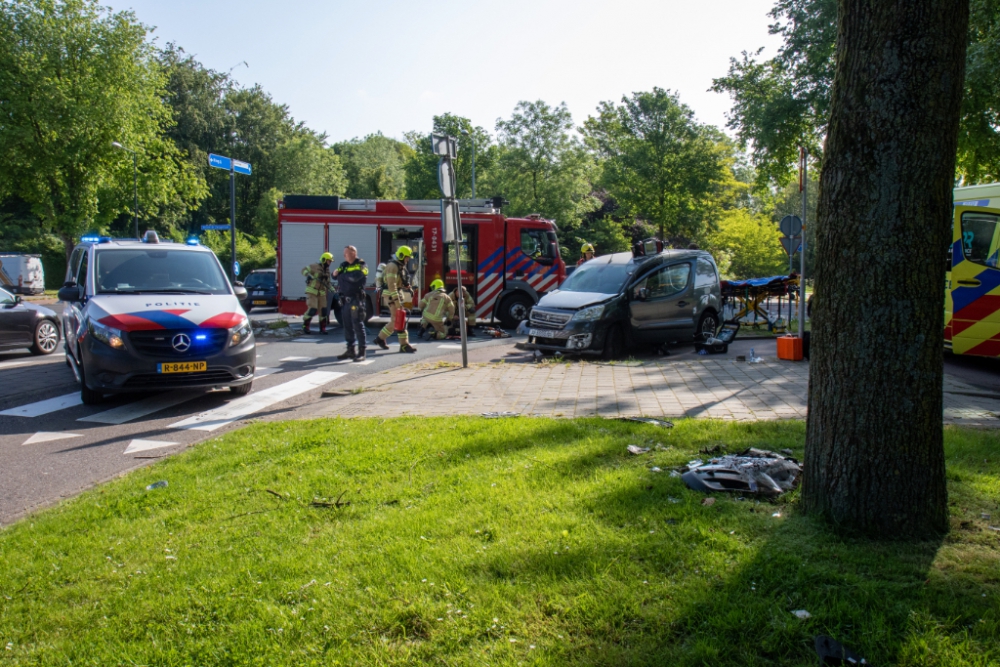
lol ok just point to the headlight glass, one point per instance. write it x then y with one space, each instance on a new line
240 333
108 335
589 314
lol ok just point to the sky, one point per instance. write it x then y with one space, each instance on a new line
350 69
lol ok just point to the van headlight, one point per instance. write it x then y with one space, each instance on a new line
240 333
107 335
589 314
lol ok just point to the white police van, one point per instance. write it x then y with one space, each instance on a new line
151 315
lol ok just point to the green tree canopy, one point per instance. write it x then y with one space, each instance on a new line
542 166
659 163
75 77
422 167
746 245
374 166
784 101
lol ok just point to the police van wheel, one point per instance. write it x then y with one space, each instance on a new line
87 395
242 389
338 315
369 309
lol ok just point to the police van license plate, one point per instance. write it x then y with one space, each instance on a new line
260 303
183 367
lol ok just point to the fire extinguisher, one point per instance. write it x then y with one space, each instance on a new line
401 317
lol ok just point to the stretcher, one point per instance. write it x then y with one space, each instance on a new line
747 296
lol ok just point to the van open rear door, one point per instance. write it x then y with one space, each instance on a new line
974 322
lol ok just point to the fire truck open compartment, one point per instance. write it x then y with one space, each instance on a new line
506 263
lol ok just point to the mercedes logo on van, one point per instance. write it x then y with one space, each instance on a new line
181 342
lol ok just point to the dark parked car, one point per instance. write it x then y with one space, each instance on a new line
27 325
262 289
618 301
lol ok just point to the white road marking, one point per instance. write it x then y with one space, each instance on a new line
365 362
263 370
247 405
290 359
305 340
14 364
45 407
147 406
144 445
450 346
48 436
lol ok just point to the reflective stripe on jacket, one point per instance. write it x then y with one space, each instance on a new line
436 306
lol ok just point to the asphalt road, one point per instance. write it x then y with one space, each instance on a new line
53 447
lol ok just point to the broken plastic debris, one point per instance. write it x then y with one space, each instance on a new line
654 469
498 415
708 502
802 613
647 420
157 485
674 473
832 652
636 449
751 471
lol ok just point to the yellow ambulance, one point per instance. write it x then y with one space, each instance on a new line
972 293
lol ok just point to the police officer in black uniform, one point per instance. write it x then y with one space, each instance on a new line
352 275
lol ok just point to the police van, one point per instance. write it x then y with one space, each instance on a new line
151 315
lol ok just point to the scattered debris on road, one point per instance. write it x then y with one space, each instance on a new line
157 485
636 449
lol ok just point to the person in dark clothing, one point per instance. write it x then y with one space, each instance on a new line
352 275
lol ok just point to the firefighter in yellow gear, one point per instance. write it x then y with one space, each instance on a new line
437 307
470 306
318 288
394 279
587 253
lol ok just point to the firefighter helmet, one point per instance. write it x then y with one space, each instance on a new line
437 284
403 252
587 247
326 257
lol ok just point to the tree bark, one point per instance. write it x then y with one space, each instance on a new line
874 460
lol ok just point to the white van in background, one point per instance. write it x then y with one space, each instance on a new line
21 273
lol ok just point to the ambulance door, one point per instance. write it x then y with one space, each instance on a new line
975 282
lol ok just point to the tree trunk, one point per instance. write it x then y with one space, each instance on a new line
874 459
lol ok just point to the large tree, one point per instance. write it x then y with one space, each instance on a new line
542 166
75 77
422 167
659 163
374 166
784 101
874 458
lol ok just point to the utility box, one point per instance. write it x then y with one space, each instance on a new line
790 348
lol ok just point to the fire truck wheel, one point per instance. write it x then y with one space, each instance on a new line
514 309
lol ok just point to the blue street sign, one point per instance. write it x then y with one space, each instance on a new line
241 167
219 162
214 227
973 202
236 268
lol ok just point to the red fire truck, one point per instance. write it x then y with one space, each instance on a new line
507 263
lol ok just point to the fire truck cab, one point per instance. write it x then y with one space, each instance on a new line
507 264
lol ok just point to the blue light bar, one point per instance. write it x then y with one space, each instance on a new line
200 337
90 238
193 240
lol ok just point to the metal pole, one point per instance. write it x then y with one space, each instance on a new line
458 277
473 137
802 274
232 221
135 194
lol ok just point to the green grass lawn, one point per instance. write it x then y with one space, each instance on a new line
485 542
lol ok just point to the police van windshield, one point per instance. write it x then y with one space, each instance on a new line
597 276
159 271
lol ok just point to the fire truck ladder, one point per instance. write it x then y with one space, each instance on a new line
422 205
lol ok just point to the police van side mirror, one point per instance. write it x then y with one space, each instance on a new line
70 292
240 291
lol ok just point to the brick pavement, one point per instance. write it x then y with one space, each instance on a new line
502 379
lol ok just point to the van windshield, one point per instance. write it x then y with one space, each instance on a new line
160 271
260 280
597 276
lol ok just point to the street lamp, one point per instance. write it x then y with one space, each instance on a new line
135 186
465 133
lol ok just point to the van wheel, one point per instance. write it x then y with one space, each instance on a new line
614 344
514 309
87 395
242 389
46 338
708 325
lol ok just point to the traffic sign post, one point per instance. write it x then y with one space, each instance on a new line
451 221
233 167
